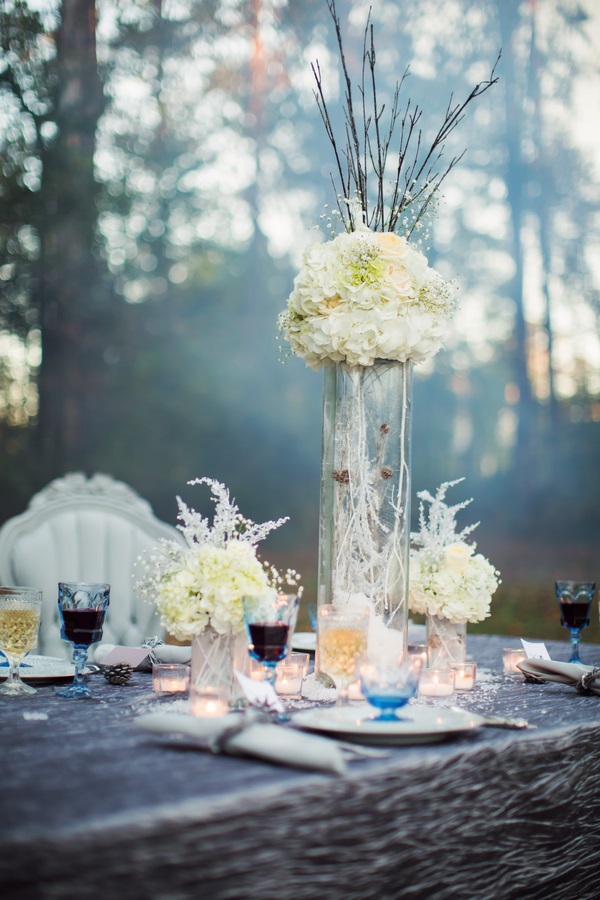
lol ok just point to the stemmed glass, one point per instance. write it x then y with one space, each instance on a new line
389 684
575 599
342 640
20 612
270 622
82 609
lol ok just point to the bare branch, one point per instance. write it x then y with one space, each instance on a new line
417 179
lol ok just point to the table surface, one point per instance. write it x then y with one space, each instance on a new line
143 810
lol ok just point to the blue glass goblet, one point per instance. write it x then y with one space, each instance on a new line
270 621
82 608
575 599
388 685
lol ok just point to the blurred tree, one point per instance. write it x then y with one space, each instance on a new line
75 308
158 171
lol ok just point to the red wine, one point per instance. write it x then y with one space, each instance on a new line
82 626
269 640
575 615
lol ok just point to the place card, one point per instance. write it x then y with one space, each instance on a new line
259 693
132 656
534 650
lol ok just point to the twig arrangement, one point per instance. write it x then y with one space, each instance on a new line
416 176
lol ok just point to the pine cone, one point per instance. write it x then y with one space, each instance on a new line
117 674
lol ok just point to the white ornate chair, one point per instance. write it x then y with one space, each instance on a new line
80 529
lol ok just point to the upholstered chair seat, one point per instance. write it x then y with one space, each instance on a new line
92 530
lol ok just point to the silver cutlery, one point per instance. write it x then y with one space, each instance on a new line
499 721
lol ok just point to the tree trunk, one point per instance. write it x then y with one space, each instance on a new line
515 181
69 290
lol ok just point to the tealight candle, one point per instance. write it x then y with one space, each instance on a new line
436 682
354 691
510 657
288 681
209 701
170 678
464 676
299 659
419 651
256 671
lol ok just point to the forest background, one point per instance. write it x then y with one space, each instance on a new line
162 168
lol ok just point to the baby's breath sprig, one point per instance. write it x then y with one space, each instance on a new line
438 528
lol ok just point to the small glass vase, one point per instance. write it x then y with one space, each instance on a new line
446 642
215 660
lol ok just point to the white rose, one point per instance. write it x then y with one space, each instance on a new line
457 557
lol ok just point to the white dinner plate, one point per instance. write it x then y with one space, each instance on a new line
420 725
305 641
44 668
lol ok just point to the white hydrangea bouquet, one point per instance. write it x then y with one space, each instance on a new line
447 578
199 585
367 295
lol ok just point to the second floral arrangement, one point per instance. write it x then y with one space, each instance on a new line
448 580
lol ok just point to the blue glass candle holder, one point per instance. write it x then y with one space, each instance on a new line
389 685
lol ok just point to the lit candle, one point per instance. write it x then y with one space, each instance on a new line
436 682
510 657
288 681
464 676
354 691
170 679
257 670
419 651
299 659
209 702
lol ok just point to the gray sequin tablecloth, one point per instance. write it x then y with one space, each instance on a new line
92 807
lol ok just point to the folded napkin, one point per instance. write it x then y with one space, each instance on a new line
163 653
586 679
251 734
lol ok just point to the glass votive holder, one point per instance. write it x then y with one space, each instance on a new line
209 701
510 657
299 659
288 679
436 682
256 670
465 675
419 651
354 691
170 678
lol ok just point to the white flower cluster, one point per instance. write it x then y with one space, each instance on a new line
201 585
364 296
447 578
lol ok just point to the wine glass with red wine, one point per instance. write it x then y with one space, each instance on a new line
82 608
575 599
270 623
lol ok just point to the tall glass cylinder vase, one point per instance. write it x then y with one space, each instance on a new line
446 642
364 532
